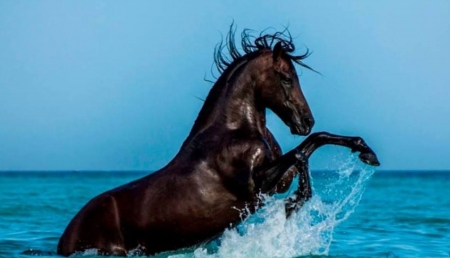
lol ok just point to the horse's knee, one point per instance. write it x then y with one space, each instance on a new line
317 137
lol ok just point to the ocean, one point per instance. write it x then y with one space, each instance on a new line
355 211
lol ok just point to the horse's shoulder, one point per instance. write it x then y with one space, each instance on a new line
230 146
243 150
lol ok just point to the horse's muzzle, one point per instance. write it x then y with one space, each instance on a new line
302 126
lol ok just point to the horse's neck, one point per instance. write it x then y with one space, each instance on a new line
242 110
230 104
208 112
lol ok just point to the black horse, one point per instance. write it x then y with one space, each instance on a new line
228 158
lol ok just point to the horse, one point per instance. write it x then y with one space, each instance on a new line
224 165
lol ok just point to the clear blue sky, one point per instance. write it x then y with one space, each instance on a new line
112 85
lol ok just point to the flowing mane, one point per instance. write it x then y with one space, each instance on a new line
226 51
228 58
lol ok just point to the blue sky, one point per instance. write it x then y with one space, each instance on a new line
112 85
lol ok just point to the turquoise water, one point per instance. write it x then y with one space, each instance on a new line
354 213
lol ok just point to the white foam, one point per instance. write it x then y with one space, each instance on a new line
309 231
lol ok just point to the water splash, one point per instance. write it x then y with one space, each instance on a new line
309 231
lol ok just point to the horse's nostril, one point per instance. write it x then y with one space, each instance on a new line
308 121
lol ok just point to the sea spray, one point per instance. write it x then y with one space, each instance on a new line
309 231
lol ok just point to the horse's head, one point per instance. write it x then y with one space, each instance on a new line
269 68
280 90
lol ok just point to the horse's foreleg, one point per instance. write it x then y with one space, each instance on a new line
312 143
316 140
268 176
304 190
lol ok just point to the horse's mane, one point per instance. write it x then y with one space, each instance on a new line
227 58
251 44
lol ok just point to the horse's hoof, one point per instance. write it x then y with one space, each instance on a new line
369 158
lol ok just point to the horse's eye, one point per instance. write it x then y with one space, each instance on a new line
286 81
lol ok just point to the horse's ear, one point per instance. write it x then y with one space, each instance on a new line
277 51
